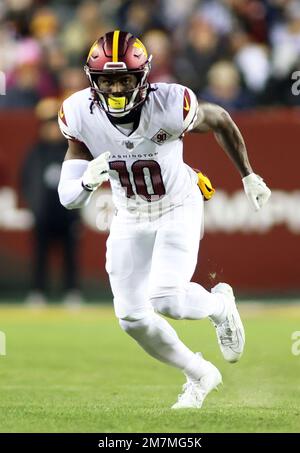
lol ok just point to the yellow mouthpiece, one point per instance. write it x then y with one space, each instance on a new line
117 102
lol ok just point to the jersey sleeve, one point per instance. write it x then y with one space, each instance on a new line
181 109
69 122
189 109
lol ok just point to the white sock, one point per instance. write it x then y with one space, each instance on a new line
196 368
220 312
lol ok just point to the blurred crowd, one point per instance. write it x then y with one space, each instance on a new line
237 53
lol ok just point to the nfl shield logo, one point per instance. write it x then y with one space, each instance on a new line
129 145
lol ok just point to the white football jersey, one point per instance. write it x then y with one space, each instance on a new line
146 166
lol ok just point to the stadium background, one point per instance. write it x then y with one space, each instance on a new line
240 54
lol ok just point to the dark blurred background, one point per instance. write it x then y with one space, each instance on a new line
241 54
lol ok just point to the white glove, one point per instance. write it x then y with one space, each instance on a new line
256 190
96 172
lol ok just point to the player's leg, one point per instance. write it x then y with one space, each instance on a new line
129 255
173 264
172 293
128 263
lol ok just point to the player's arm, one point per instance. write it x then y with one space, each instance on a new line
81 175
211 117
77 150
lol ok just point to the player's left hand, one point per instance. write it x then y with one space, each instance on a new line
256 190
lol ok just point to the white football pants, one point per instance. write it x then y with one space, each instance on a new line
150 261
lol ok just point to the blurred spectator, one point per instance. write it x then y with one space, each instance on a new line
261 37
44 26
137 17
8 48
29 81
53 223
158 44
22 89
177 12
251 15
224 88
56 62
285 39
84 29
217 14
252 59
202 47
72 80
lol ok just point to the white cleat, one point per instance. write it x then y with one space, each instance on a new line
194 392
230 333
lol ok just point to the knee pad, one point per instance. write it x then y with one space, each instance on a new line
170 306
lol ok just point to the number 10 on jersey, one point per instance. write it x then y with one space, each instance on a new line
147 178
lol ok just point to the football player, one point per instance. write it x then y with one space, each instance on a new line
130 132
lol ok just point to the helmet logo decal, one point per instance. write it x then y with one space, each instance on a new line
140 46
92 50
115 46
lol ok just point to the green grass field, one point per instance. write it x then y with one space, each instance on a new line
68 371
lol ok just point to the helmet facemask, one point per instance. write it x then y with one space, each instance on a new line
119 104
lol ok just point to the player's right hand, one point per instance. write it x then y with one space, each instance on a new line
96 172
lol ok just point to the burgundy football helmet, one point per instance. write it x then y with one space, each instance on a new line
118 52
